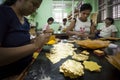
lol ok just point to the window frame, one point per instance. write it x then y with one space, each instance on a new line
109 8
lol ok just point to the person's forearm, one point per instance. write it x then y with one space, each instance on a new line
70 33
48 31
9 55
91 35
113 34
74 33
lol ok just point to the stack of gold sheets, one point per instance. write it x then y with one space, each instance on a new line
80 57
72 69
60 51
93 44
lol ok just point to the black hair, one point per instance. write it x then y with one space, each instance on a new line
9 2
64 19
85 6
50 19
110 19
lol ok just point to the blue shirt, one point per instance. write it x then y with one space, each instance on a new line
13 34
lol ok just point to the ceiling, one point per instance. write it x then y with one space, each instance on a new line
63 3
65 0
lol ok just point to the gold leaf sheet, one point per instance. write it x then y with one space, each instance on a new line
72 68
93 44
91 65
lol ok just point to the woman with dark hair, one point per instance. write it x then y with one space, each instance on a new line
9 2
16 49
81 26
109 29
46 28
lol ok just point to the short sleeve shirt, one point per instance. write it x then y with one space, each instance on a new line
106 31
64 26
13 34
82 26
45 27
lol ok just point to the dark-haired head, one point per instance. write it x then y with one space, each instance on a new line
9 2
65 19
50 19
24 7
110 19
86 6
85 11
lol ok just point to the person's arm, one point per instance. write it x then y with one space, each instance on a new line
114 31
113 34
9 55
48 31
92 31
69 29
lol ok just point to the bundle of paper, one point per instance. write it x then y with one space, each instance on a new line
114 60
99 52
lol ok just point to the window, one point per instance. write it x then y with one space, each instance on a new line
102 10
1 1
116 9
59 12
109 8
59 15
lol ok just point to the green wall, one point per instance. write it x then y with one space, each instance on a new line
43 13
117 24
94 4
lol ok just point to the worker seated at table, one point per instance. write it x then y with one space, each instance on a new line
81 26
16 49
108 30
46 28
63 25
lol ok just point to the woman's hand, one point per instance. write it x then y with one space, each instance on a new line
49 31
41 40
82 35
77 33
